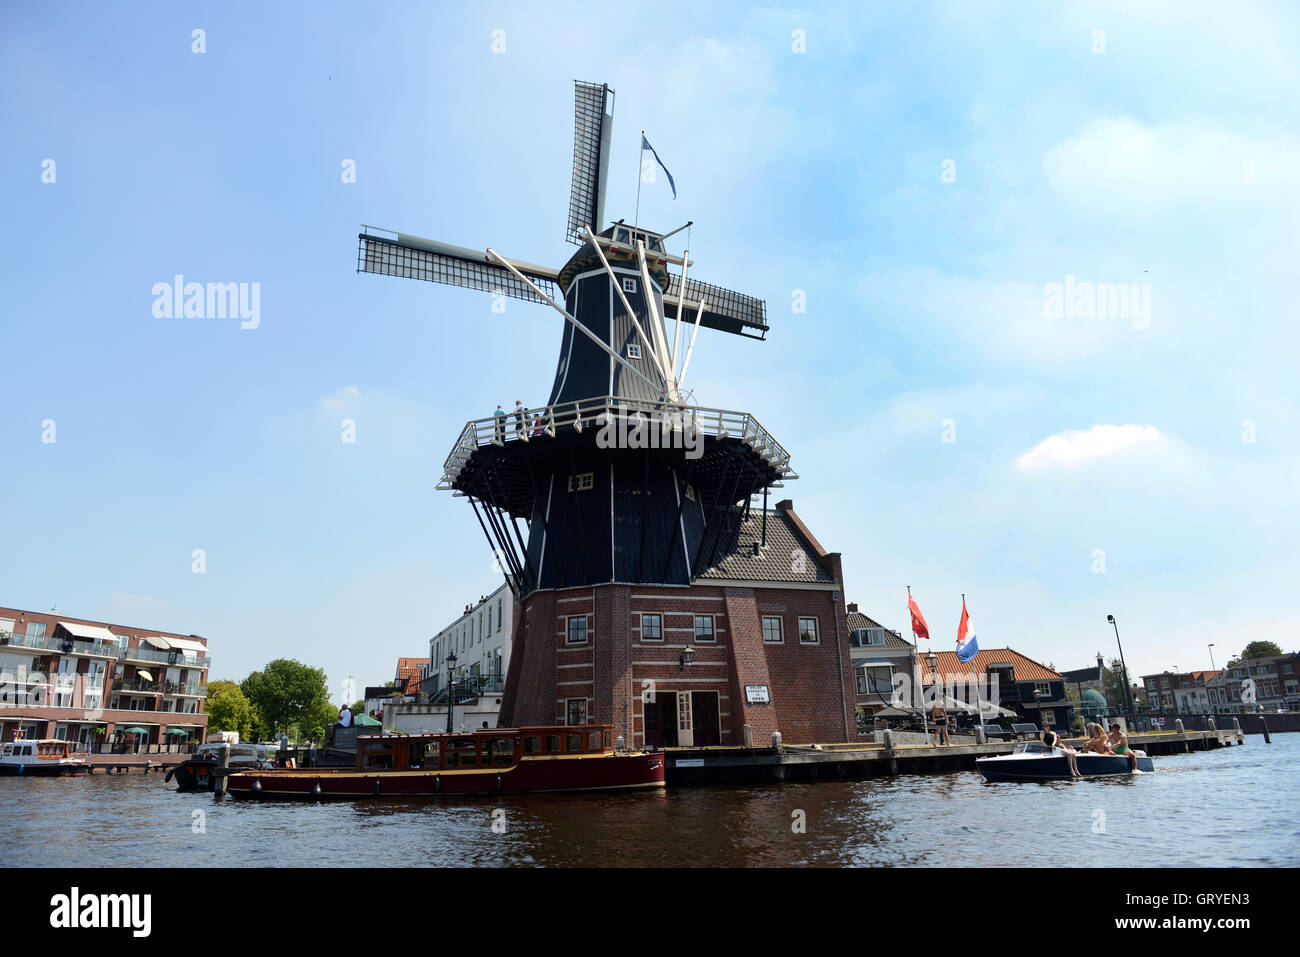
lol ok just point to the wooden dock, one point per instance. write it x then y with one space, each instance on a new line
741 765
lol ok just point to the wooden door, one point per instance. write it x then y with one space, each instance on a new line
705 707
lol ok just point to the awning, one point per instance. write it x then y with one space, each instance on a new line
89 632
146 675
187 644
160 643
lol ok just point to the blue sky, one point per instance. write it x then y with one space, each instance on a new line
1171 157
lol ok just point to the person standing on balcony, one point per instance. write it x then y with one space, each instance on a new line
500 416
521 418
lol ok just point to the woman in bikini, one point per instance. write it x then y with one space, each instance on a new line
1053 740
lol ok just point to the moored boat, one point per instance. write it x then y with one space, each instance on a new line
488 761
196 774
45 757
1032 761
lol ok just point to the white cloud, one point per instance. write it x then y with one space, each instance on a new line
1117 162
340 399
1073 447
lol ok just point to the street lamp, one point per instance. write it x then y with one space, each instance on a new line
1128 693
1211 647
451 687
685 658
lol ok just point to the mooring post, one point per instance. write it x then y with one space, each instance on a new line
219 786
1263 722
749 736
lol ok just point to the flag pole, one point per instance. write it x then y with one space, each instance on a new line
979 704
636 219
925 719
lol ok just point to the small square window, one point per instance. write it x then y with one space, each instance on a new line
633 351
704 628
629 284
582 482
808 631
578 630
652 628
772 628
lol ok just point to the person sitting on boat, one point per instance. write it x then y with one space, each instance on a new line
1119 745
345 717
939 714
1097 741
1053 740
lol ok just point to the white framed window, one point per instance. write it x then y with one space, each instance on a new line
652 627
772 629
808 631
633 351
582 482
629 284
704 631
576 630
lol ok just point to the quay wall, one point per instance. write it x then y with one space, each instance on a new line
1250 723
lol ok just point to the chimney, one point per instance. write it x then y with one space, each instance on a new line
785 505
853 606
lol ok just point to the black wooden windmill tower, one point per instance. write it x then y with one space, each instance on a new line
573 495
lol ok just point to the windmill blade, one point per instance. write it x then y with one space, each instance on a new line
592 127
411 257
724 309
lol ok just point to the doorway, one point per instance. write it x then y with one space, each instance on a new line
704 706
660 720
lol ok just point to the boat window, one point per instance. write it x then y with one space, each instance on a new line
553 743
532 745
461 754
503 752
573 743
593 741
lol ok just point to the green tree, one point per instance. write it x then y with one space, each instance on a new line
284 693
230 710
1256 649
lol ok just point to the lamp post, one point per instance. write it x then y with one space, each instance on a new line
932 660
1128 693
1211 647
451 687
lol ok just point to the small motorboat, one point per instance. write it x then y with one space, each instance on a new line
197 774
43 757
1033 761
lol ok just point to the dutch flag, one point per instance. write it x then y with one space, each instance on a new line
967 646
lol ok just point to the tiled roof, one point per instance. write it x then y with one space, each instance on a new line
858 620
788 557
1023 669
408 672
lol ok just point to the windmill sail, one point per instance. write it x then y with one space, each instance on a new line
592 127
411 257
724 309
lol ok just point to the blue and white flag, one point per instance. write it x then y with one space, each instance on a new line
967 646
645 145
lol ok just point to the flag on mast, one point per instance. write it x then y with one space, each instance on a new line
645 145
967 646
919 627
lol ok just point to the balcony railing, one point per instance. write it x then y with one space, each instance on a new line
589 413
102 649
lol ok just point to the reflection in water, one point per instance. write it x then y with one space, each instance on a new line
1227 807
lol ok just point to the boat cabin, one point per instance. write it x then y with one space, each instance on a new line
48 749
488 748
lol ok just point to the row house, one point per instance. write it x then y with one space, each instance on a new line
877 654
103 687
1186 692
1257 684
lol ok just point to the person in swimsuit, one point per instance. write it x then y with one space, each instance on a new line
1053 740
1119 745
939 714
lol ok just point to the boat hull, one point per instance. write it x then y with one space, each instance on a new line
613 772
45 769
194 776
1055 767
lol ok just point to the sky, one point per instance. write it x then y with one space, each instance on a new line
927 196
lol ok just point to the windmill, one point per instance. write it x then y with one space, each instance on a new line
619 477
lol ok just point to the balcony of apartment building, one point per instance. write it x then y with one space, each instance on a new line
469 687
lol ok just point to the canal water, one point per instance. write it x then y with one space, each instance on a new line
1231 807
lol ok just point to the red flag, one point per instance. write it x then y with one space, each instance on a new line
919 627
